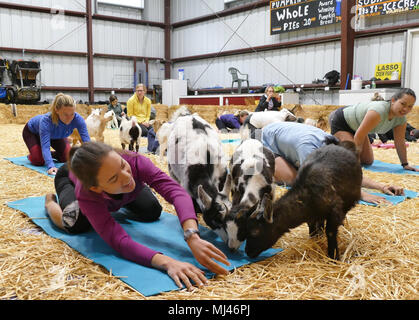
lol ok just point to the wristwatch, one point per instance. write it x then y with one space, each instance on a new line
188 233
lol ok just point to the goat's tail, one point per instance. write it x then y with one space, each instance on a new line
349 145
331 140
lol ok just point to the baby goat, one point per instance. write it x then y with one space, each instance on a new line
163 132
258 120
130 133
252 168
327 186
196 160
96 123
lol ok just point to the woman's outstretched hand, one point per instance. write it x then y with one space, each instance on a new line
204 252
180 272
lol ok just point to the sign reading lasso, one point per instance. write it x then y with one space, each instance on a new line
388 71
292 15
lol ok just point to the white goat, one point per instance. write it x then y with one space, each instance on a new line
113 123
319 123
164 131
257 120
96 123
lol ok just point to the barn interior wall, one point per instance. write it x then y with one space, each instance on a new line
298 64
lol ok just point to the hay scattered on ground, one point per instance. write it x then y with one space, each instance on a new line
378 245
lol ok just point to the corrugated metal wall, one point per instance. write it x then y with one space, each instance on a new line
188 9
74 5
24 29
291 65
303 64
376 50
298 64
127 39
210 36
33 30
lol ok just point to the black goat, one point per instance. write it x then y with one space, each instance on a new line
327 186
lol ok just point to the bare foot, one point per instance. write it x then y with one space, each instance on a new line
50 197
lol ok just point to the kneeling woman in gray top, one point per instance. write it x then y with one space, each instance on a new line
355 122
292 142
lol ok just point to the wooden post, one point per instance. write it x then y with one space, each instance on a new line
167 40
89 28
347 43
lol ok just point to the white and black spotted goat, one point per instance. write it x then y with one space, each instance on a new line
130 133
196 160
327 186
258 120
252 168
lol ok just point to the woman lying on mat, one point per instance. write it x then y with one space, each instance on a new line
98 180
227 122
356 121
51 130
291 149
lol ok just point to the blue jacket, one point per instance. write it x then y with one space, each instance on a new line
47 131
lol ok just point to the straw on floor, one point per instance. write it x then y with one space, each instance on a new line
378 245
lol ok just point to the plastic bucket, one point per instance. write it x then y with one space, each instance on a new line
356 84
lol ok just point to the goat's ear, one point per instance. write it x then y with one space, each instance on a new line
204 198
151 122
242 213
227 186
290 117
264 209
236 197
268 212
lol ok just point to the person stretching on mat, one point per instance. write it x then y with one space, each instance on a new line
292 142
51 130
355 122
98 180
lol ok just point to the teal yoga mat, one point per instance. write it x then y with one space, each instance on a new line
24 161
233 141
380 166
164 235
408 194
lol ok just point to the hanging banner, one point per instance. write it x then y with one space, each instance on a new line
292 15
369 8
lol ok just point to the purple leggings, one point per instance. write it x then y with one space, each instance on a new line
33 142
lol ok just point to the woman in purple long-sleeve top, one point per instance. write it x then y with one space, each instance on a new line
231 121
98 180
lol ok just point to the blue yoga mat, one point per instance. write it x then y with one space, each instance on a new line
408 194
380 166
164 235
24 161
233 141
